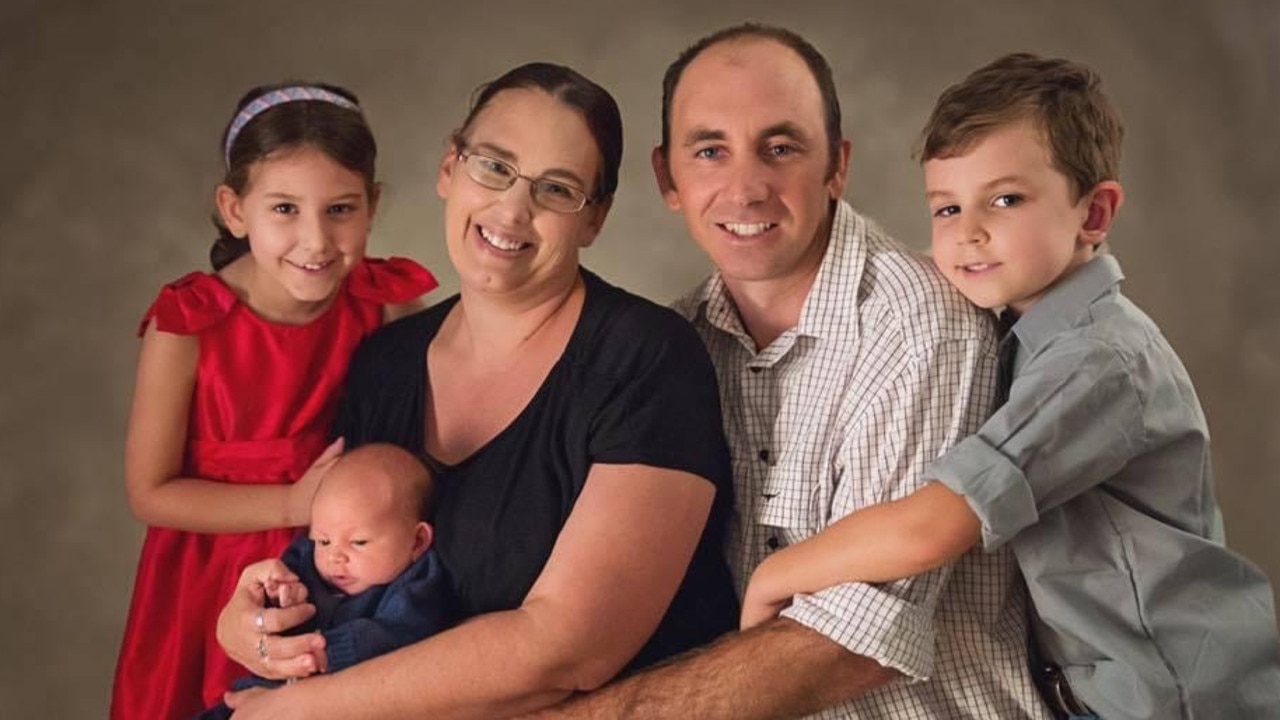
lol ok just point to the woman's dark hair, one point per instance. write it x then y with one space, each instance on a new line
596 106
339 132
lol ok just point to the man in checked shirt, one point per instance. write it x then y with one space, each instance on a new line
846 365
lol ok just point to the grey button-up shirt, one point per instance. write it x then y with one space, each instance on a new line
1096 473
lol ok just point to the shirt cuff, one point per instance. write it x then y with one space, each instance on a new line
868 621
995 488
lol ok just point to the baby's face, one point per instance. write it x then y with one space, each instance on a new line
362 542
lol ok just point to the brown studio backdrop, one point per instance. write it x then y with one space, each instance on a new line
109 140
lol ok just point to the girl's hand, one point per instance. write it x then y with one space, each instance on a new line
247 628
298 503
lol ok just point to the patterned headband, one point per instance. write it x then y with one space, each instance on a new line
266 101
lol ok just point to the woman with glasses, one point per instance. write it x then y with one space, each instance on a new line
574 429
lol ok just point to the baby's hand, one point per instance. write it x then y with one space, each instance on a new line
273 576
289 593
316 660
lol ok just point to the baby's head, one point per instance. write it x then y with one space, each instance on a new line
1021 164
368 518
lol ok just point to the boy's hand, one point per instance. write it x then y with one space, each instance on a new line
756 610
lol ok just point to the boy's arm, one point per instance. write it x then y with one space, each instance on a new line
880 543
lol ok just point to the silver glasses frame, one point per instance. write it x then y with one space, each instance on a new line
465 155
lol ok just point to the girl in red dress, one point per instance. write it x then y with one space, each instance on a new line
238 380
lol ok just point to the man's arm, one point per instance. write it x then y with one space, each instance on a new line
780 669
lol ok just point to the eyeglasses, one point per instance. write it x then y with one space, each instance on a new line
498 174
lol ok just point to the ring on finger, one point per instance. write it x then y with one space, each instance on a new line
260 620
262 647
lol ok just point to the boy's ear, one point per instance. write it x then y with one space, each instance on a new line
1103 202
228 204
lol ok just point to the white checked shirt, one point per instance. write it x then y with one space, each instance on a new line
886 369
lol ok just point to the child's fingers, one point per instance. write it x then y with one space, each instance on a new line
274 620
290 594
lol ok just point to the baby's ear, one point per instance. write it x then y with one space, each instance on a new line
1103 202
422 537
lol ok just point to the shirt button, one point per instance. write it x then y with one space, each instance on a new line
764 456
772 542
755 369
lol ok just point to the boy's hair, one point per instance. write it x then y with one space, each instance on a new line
339 132
813 59
1082 129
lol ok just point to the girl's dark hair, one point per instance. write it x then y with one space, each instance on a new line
596 106
339 132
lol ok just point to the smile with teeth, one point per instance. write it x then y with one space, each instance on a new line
978 267
501 243
310 266
748 229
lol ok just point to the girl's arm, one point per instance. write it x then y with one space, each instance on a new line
611 576
880 543
158 493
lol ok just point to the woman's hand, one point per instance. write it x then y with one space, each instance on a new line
298 501
247 628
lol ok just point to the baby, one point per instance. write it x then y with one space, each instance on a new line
366 563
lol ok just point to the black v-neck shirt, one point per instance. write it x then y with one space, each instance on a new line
634 386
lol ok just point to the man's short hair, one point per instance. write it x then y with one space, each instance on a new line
812 58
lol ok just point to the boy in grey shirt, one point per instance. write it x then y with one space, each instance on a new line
1095 465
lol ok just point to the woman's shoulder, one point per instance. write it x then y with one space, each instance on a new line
621 327
192 303
407 337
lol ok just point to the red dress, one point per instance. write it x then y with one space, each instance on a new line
264 398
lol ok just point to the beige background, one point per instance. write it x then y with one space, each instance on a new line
111 114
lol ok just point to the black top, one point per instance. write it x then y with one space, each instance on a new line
634 385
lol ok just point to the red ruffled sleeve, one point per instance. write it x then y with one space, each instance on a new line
390 281
190 304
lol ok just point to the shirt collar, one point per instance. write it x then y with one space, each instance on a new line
826 309
1068 301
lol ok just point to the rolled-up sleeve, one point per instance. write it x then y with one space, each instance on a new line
884 623
1073 419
